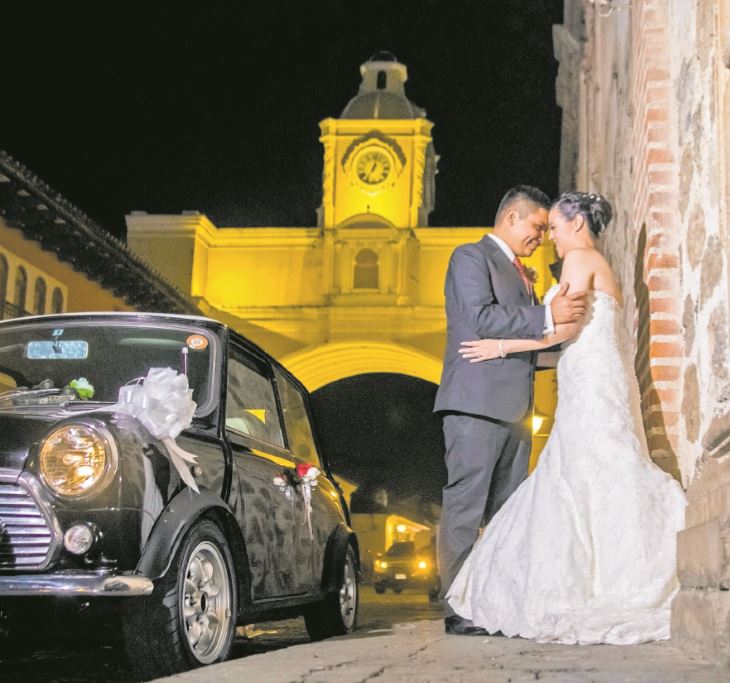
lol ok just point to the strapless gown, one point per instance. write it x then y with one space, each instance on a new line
585 550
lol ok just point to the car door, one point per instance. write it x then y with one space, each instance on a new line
326 510
272 520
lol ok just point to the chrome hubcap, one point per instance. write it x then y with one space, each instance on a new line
206 602
348 595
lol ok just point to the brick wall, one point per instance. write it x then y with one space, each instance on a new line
653 137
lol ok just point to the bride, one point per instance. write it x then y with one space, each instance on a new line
584 550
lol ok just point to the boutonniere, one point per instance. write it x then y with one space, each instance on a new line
532 275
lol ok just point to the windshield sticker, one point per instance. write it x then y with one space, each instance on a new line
196 342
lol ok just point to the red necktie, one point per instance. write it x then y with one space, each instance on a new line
523 274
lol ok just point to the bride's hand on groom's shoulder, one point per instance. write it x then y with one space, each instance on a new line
481 350
568 308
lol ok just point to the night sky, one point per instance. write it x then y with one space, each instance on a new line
214 106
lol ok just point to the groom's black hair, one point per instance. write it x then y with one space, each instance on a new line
530 196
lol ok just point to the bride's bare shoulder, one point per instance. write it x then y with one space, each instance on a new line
581 256
582 253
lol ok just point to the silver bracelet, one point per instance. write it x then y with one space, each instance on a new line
501 349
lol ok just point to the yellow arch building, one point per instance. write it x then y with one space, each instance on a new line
362 291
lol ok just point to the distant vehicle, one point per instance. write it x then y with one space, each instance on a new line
403 566
97 516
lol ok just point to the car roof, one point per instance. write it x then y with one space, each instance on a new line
144 316
112 314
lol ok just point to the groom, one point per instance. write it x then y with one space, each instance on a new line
485 406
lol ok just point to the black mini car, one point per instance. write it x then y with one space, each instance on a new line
94 511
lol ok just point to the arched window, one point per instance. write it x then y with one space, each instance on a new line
57 301
21 288
382 80
39 296
366 270
3 284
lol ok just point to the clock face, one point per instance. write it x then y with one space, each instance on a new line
373 167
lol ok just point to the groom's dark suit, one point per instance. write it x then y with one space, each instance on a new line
484 405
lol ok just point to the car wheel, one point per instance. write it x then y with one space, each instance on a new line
379 589
398 590
190 618
336 615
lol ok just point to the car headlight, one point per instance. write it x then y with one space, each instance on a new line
381 564
76 458
422 564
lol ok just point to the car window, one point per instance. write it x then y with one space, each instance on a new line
108 354
296 421
250 402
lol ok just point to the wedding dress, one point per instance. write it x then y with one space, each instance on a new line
584 551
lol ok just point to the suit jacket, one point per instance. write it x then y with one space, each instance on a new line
486 298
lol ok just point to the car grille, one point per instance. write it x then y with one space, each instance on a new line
25 537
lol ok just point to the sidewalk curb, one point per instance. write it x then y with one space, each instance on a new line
420 651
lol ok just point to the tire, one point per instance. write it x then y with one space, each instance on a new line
398 591
336 615
379 589
185 624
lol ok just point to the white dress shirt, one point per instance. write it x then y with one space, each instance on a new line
549 326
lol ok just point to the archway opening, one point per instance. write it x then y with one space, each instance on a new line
378 431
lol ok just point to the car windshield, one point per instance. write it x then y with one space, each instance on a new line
401 549
66 361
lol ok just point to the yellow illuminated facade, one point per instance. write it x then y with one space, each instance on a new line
35 281
360 292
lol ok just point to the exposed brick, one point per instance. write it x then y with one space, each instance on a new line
661 178
668 395
658 114
657 74
660 283
660 199
657 93
665 350
662 260
656 241
665 373
657 133
663 305
664 420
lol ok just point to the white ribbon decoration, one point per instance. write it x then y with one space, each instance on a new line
162 402
309 481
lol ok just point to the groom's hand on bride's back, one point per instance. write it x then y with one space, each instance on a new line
568 308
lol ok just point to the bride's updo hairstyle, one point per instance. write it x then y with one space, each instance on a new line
596 210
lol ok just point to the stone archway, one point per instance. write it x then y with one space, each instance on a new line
316 366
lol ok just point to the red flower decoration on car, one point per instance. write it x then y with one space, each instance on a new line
303 468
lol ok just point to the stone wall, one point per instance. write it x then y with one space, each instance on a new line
652 136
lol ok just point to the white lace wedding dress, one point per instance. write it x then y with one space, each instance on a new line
584 550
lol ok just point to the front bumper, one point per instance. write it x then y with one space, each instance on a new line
403 578
101 585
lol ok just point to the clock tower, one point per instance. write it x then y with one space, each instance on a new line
377 185
379 161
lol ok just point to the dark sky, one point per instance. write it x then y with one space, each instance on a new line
168 106
378 430
214 105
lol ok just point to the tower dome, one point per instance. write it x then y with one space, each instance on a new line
382 93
